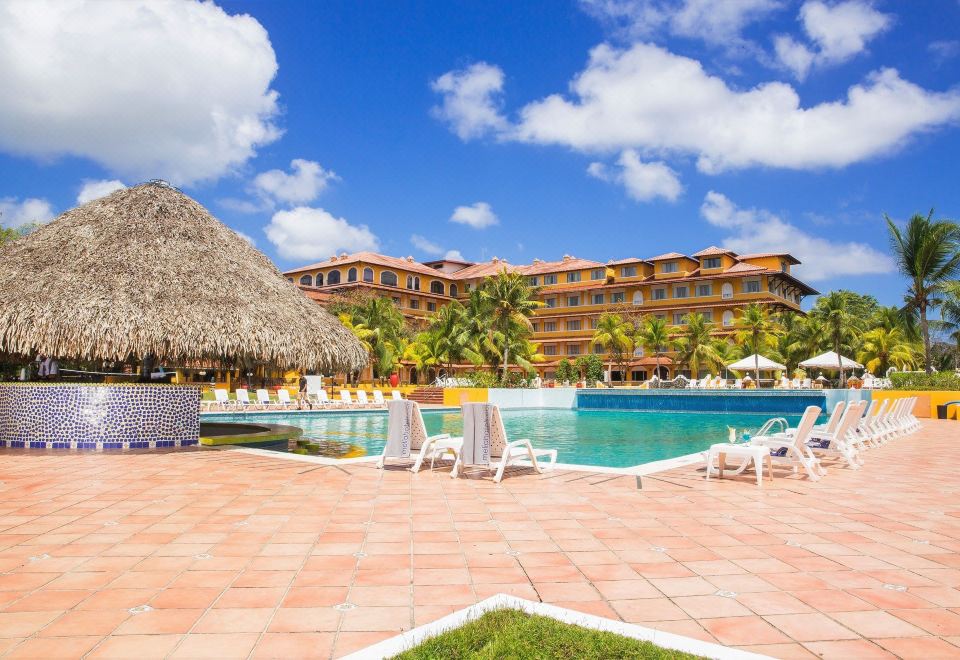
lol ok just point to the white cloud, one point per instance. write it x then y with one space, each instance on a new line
944 50
307 180
759 230
92 190
643 182
14 213
709 20
478 216
177 90
247 237
471 99
649 99
426 245
837 32
454 255
312 233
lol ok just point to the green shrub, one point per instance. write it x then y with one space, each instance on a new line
944 380
590 367
565 372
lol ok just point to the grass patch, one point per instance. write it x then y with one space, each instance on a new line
514 634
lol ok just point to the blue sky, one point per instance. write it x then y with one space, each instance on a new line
603 128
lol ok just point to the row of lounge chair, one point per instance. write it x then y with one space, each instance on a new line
852 429
319 399
718 383
484 442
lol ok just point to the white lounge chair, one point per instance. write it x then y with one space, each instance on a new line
738 384
264 400
396 396
283 398
363 401
693 384
243 399
347 400
378 399
323 401
806 384
221 399
485 440
407 433
784 383
841 442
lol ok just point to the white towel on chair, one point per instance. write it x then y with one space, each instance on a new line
476 433
398 428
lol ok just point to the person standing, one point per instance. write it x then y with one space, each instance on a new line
302 397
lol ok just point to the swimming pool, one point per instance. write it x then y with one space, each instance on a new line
608 438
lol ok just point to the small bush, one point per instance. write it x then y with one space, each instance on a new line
945 381
565 372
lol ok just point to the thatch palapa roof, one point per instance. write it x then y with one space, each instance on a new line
148 271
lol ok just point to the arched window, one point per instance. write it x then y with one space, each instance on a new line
409 281
306 280
368 275
290 279
436 287
387 278
319 280
637 298
726 291
453 290
416 283
728 318
333 277
352 275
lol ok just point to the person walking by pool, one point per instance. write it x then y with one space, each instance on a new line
302 397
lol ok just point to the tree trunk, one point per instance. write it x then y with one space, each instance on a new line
756 361
925 329
836 347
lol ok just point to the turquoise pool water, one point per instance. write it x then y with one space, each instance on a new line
587 437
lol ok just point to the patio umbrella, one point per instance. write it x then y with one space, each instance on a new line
756 363
831 360
147 271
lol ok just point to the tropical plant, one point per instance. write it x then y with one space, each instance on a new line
615 336
695 346
589 367
512 303
950 321
565 372
756 330
927 253
884 348
653 336
840 324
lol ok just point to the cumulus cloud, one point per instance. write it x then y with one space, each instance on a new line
308 233
14 212
425 245
178 90
303 184
471 100
478 216
647 98
643 182
837 32
91 190
944 50
454 255
759 230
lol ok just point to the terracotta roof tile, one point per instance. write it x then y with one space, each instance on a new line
760 255
712 251
745 268
559 266
372 258
669 255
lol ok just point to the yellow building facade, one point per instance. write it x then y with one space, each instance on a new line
575 292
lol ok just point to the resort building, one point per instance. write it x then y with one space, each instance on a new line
575 292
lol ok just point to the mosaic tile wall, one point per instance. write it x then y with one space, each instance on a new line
98 417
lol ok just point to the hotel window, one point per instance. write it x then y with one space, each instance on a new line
368 275
409 281
679 318
728 318
573 277
616 297
535 327
550 350
414 303
352 275
319 280
306 280
416 283
574 325
660 294
594 321
333 277
549 279
387 278
453 290
436 287
711 262
573 301
573 349
783 266
662 317
466 287
550 302
704 289
598 274
533 281
628 271
431 306
708 316
598 299
598 349
679 292
396 301
669 267
549 326
726 291
751 286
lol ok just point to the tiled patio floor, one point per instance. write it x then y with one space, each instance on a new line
241 555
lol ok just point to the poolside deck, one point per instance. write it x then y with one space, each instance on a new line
245 556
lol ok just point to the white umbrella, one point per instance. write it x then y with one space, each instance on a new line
751 364
830 360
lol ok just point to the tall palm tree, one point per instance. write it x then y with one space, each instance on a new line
841 326
696 347
883 348
512 303
927 252
614 335
757 330
950 313
653 335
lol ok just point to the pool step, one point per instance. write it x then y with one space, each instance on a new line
433 395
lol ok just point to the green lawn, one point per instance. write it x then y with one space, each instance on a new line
513 634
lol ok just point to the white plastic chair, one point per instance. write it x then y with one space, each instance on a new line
347 400
500 446
843 441
378 399
395 394
283 398
363 401
405 417
264 400
221 399
243 399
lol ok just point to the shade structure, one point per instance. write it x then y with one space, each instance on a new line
750 364
149 271
830 360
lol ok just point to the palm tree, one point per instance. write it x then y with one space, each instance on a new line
756 330
696 347
884 348
426 351
928 255
512 304
841 325
652 334
614 335
950 311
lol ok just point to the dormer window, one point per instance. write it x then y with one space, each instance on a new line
549 279
628 271
573 276
598 274
712 262
669 267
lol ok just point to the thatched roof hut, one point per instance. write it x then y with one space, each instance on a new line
148 271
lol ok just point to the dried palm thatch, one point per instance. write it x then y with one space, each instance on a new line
148 271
